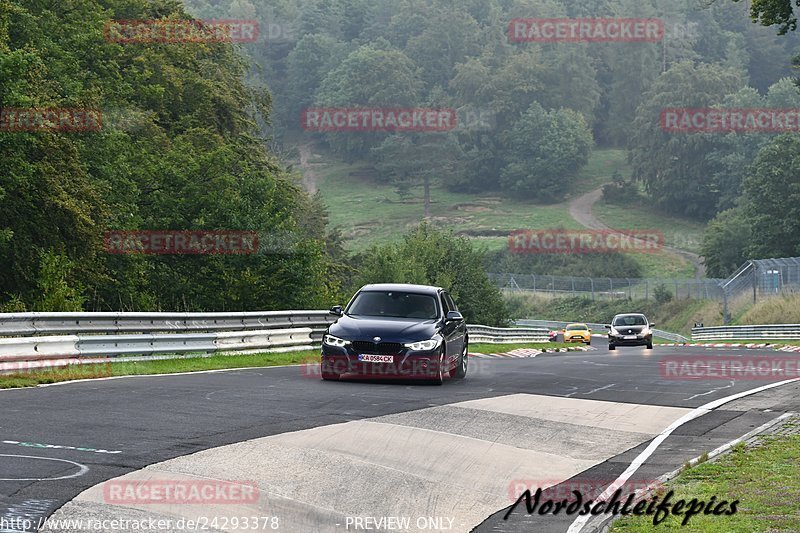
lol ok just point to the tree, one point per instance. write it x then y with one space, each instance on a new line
429 256
545 149
772 12
675 167
771 199
725 243
179 150
307 65
372 76
409 160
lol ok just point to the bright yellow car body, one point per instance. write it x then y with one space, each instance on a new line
578 333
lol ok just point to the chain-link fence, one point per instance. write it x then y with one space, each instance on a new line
756 279
610 288
760 278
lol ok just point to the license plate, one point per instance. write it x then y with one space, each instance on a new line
629 337
376 358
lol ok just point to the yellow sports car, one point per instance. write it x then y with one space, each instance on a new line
578 333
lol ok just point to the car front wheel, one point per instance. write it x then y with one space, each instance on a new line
438 379
460 371
612 347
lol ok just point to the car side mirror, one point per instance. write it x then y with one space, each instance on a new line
608 326
337 310
453 316
652 324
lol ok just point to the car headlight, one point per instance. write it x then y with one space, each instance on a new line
614 331
330 340
424 346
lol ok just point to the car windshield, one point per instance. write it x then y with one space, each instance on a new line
630 320
577 327
393 305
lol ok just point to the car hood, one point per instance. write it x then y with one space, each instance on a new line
388 329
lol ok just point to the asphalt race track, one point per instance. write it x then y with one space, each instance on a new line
448 458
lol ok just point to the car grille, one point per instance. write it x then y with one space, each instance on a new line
381 348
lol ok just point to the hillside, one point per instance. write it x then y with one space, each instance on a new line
370 211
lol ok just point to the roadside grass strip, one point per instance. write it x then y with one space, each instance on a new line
506 348
89 369
763 478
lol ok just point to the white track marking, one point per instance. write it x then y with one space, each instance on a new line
581 521
82 469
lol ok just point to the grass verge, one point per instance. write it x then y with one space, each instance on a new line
682 233
764 479
502 348
163 366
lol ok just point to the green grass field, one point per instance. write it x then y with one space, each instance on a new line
678 232
763 479
370 211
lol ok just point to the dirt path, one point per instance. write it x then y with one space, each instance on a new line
580 209
310 176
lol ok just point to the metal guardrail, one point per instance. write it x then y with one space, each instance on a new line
599 328
758 332
490 335
92 346
15 324
63 337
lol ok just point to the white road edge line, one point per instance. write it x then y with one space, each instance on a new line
581 521
601 520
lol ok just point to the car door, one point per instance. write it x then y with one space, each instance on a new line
457 331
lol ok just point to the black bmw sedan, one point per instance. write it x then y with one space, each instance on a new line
397 331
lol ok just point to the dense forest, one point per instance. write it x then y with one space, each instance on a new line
531 112
179 149
193 134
